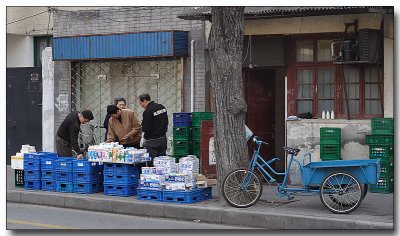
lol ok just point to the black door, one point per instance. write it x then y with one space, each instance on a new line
24 109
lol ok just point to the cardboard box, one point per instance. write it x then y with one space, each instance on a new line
203 182
17 162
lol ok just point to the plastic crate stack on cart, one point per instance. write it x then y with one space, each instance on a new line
381 145
330 143
182 134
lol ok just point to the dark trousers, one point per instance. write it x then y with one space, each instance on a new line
137 145
64 149
156 147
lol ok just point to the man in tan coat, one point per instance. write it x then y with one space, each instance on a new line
124 127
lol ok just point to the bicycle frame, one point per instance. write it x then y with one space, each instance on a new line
283 190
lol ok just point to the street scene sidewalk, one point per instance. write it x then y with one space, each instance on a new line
303 212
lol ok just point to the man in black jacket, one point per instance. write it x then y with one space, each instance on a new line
67 134
154 126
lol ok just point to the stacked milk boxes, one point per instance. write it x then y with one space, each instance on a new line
120 179
168 181
113 152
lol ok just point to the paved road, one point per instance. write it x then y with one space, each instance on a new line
26 216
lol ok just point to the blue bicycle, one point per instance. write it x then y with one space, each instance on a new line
341 184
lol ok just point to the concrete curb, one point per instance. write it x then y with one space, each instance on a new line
202 212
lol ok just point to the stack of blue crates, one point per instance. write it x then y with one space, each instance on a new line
38 170
85 176
32 174
64 175
120 179
48 169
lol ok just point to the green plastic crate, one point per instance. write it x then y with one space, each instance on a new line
181 147
385 153
196 133
19 178
382 125
387 170
384 185
330 136
197 117
378 139
182 133
330 152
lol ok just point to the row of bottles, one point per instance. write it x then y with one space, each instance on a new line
328 115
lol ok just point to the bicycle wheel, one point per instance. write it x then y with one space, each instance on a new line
341 192
241 188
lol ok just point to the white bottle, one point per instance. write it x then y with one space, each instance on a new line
332 115
327 115
323 114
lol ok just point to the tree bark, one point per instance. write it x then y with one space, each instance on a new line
225 47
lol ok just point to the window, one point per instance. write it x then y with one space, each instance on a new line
319 83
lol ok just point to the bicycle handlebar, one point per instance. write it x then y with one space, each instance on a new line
259 141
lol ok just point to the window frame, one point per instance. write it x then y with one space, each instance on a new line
340 109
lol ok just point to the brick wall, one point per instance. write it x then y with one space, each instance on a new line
130 19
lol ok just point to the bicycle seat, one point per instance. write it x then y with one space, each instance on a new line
290 150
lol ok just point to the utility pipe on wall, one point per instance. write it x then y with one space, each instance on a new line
192 76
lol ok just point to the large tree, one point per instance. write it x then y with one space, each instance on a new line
225 47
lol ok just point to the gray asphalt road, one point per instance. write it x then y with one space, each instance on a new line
25 216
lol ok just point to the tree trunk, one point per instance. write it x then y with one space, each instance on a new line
225 47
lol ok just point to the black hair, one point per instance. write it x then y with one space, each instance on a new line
144 97
112 109
87 114
116 100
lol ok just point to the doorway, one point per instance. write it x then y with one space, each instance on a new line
24 109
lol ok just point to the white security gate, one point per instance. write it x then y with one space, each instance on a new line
95 85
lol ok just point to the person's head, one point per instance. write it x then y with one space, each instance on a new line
120 103
144 100
85 116
113 111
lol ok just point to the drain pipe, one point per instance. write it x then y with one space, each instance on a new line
192 76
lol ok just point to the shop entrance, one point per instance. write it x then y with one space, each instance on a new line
259 87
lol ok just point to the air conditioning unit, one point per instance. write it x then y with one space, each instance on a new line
336 47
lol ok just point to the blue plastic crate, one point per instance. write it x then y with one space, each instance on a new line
181 196
108 168
64 186
85 177
32 184
84 166
125 169
182 119
48 163
64 164
149 194
64 176
32 161
32 174
49 175
48 185
92 187
120 179
205 193
120 190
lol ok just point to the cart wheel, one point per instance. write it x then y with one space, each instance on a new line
341 192
241 188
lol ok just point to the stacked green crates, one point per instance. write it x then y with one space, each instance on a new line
197 117
182 134
381 145
330 139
